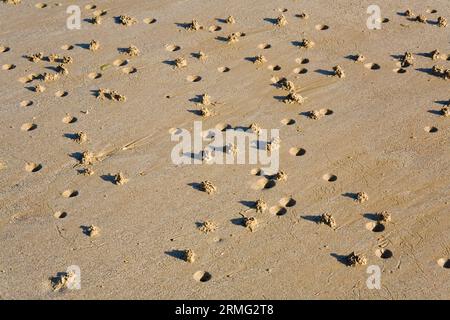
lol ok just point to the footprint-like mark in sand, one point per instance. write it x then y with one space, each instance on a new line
33 167
223 69
61 94
60 214
94 75
28 126
40 5
69 119
193 78
274 67
444 263
70 193
264 183
383 253
129 70
431 11
264 46
399 70
372 66
287 202
431 129
375 226
278 210
120 63
288 122
214 28
90 7
300 71
329 177
67 47
298 152
26 103
322 27
149 20
4 49
202 276
172 47
8 67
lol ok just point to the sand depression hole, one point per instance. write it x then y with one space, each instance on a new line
149 20
41 5
33 167
274 68
29 78
372 66
278 210
90 7
60 214
4 49
172 47
28 127
129 70
120 63
94 75
444 263
287 202
214 28
326 112
385 20
255 171
384 253
264 46
8 66
61 94
329 177
70 193
26 103
67 47
194 78
300 70
175 131
298 152
264 183
223 69
202 276
223 126
322 27
375 226
399 70
288 122
431 129
302 60
69 119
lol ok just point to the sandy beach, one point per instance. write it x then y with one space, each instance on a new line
93 204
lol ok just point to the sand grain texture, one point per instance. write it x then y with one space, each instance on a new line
376 131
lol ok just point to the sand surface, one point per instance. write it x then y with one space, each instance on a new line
381 131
